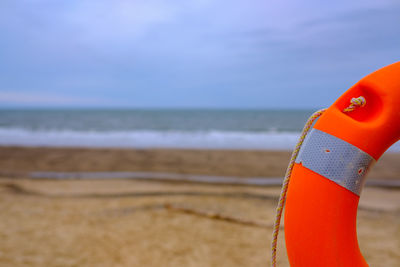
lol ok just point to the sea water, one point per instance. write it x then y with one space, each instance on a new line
155 128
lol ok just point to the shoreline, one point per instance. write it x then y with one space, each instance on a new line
16 160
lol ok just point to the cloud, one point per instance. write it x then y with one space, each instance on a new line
174 53
45 98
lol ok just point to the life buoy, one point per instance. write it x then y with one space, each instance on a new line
327 178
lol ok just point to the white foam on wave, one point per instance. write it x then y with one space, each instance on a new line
149 139
153 139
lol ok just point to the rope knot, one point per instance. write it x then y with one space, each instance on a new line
355 102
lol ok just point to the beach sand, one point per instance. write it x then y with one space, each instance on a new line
151 223
242 163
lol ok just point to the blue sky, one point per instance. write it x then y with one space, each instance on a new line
191 54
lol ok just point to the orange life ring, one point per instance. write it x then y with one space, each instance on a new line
326 181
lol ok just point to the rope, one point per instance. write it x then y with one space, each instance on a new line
354 103
285 184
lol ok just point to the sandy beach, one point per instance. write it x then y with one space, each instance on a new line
158 133
120 222
242 163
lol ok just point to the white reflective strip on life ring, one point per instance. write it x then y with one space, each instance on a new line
335 159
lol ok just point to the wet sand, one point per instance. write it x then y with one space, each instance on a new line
241 163
121 222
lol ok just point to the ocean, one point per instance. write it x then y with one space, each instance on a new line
156 128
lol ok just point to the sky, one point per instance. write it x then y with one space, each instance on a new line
192 53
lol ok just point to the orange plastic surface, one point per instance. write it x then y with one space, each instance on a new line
374 127
320 222
320 215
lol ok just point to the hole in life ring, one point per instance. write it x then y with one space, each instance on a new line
374 103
